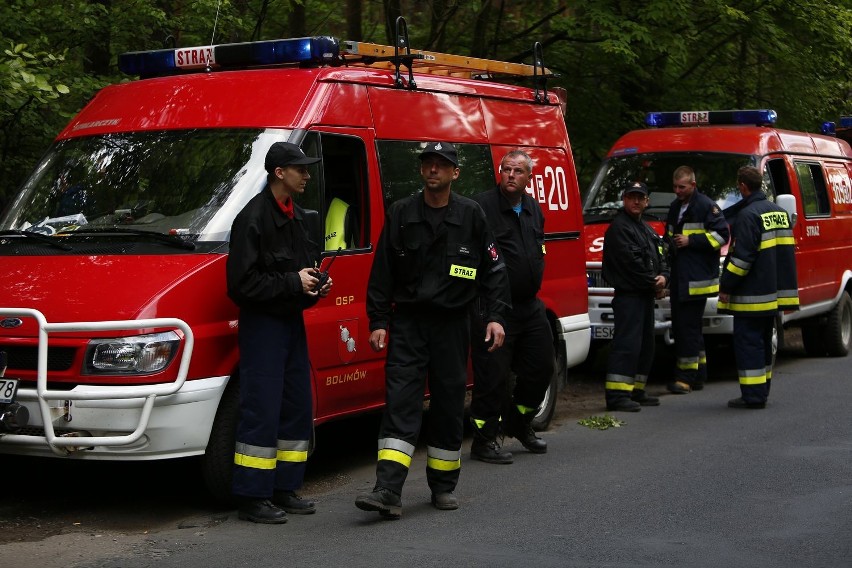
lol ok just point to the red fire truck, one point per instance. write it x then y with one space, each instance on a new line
121 343
807 174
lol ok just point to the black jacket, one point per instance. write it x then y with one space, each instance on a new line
520 239
760 270
267 251
695 269
632 255
416 269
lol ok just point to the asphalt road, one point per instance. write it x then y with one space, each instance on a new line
690 483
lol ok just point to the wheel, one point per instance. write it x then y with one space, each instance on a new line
217 464
838 331
777 338
812 340
548 406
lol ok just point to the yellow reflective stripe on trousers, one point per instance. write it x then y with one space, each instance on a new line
293 450
687 363
396 450
443 460
256 457
752 376
613 383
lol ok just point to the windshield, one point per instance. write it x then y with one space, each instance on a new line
715 176
185 182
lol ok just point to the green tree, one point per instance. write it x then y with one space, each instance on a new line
616 58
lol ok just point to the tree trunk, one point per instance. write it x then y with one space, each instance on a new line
393 10
353 20
298 20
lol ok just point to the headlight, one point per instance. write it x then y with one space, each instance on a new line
140 354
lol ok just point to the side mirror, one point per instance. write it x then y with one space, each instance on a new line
787 202
312 222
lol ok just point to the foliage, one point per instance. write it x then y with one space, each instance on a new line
604 422
616 58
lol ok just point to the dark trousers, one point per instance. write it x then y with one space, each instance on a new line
426 347
276 408
687 322
753 352
527 351
631 353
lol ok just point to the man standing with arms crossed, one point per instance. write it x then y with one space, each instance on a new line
434 257
758 280
518 226
696 230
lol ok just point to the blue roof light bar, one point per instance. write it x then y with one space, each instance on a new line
762 117
306 50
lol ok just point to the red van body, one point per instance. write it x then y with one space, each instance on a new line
814 169
168 162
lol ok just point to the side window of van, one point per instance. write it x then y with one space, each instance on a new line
813 188
337 189
776 181
400 169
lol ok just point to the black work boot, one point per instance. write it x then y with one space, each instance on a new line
640 396
519 426
261 511
384 501
485 446
292 503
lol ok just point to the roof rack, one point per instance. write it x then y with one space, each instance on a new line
433 63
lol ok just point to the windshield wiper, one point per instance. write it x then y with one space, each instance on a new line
52 241
598 208
171 240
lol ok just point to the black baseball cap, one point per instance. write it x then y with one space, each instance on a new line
443 149
636 187
283 154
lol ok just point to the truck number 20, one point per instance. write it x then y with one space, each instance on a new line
550 188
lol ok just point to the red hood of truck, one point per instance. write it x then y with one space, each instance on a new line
96 288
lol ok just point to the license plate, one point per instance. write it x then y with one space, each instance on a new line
8 388
602 332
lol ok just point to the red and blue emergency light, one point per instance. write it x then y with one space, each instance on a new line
306 50
762 117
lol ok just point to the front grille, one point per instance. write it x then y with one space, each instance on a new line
26 358
596 279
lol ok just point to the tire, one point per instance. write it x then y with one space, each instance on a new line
217 464
777 338
545 413
838 331
812 340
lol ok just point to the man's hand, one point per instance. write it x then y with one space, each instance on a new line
377 339
681 241
494 333
659 282
309 280
724 297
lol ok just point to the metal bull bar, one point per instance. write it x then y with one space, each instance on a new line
62 445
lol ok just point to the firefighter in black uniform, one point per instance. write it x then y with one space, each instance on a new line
517 222
634 264
434 257
696 231
758 280
272 278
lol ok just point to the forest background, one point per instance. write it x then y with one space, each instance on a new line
617 59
